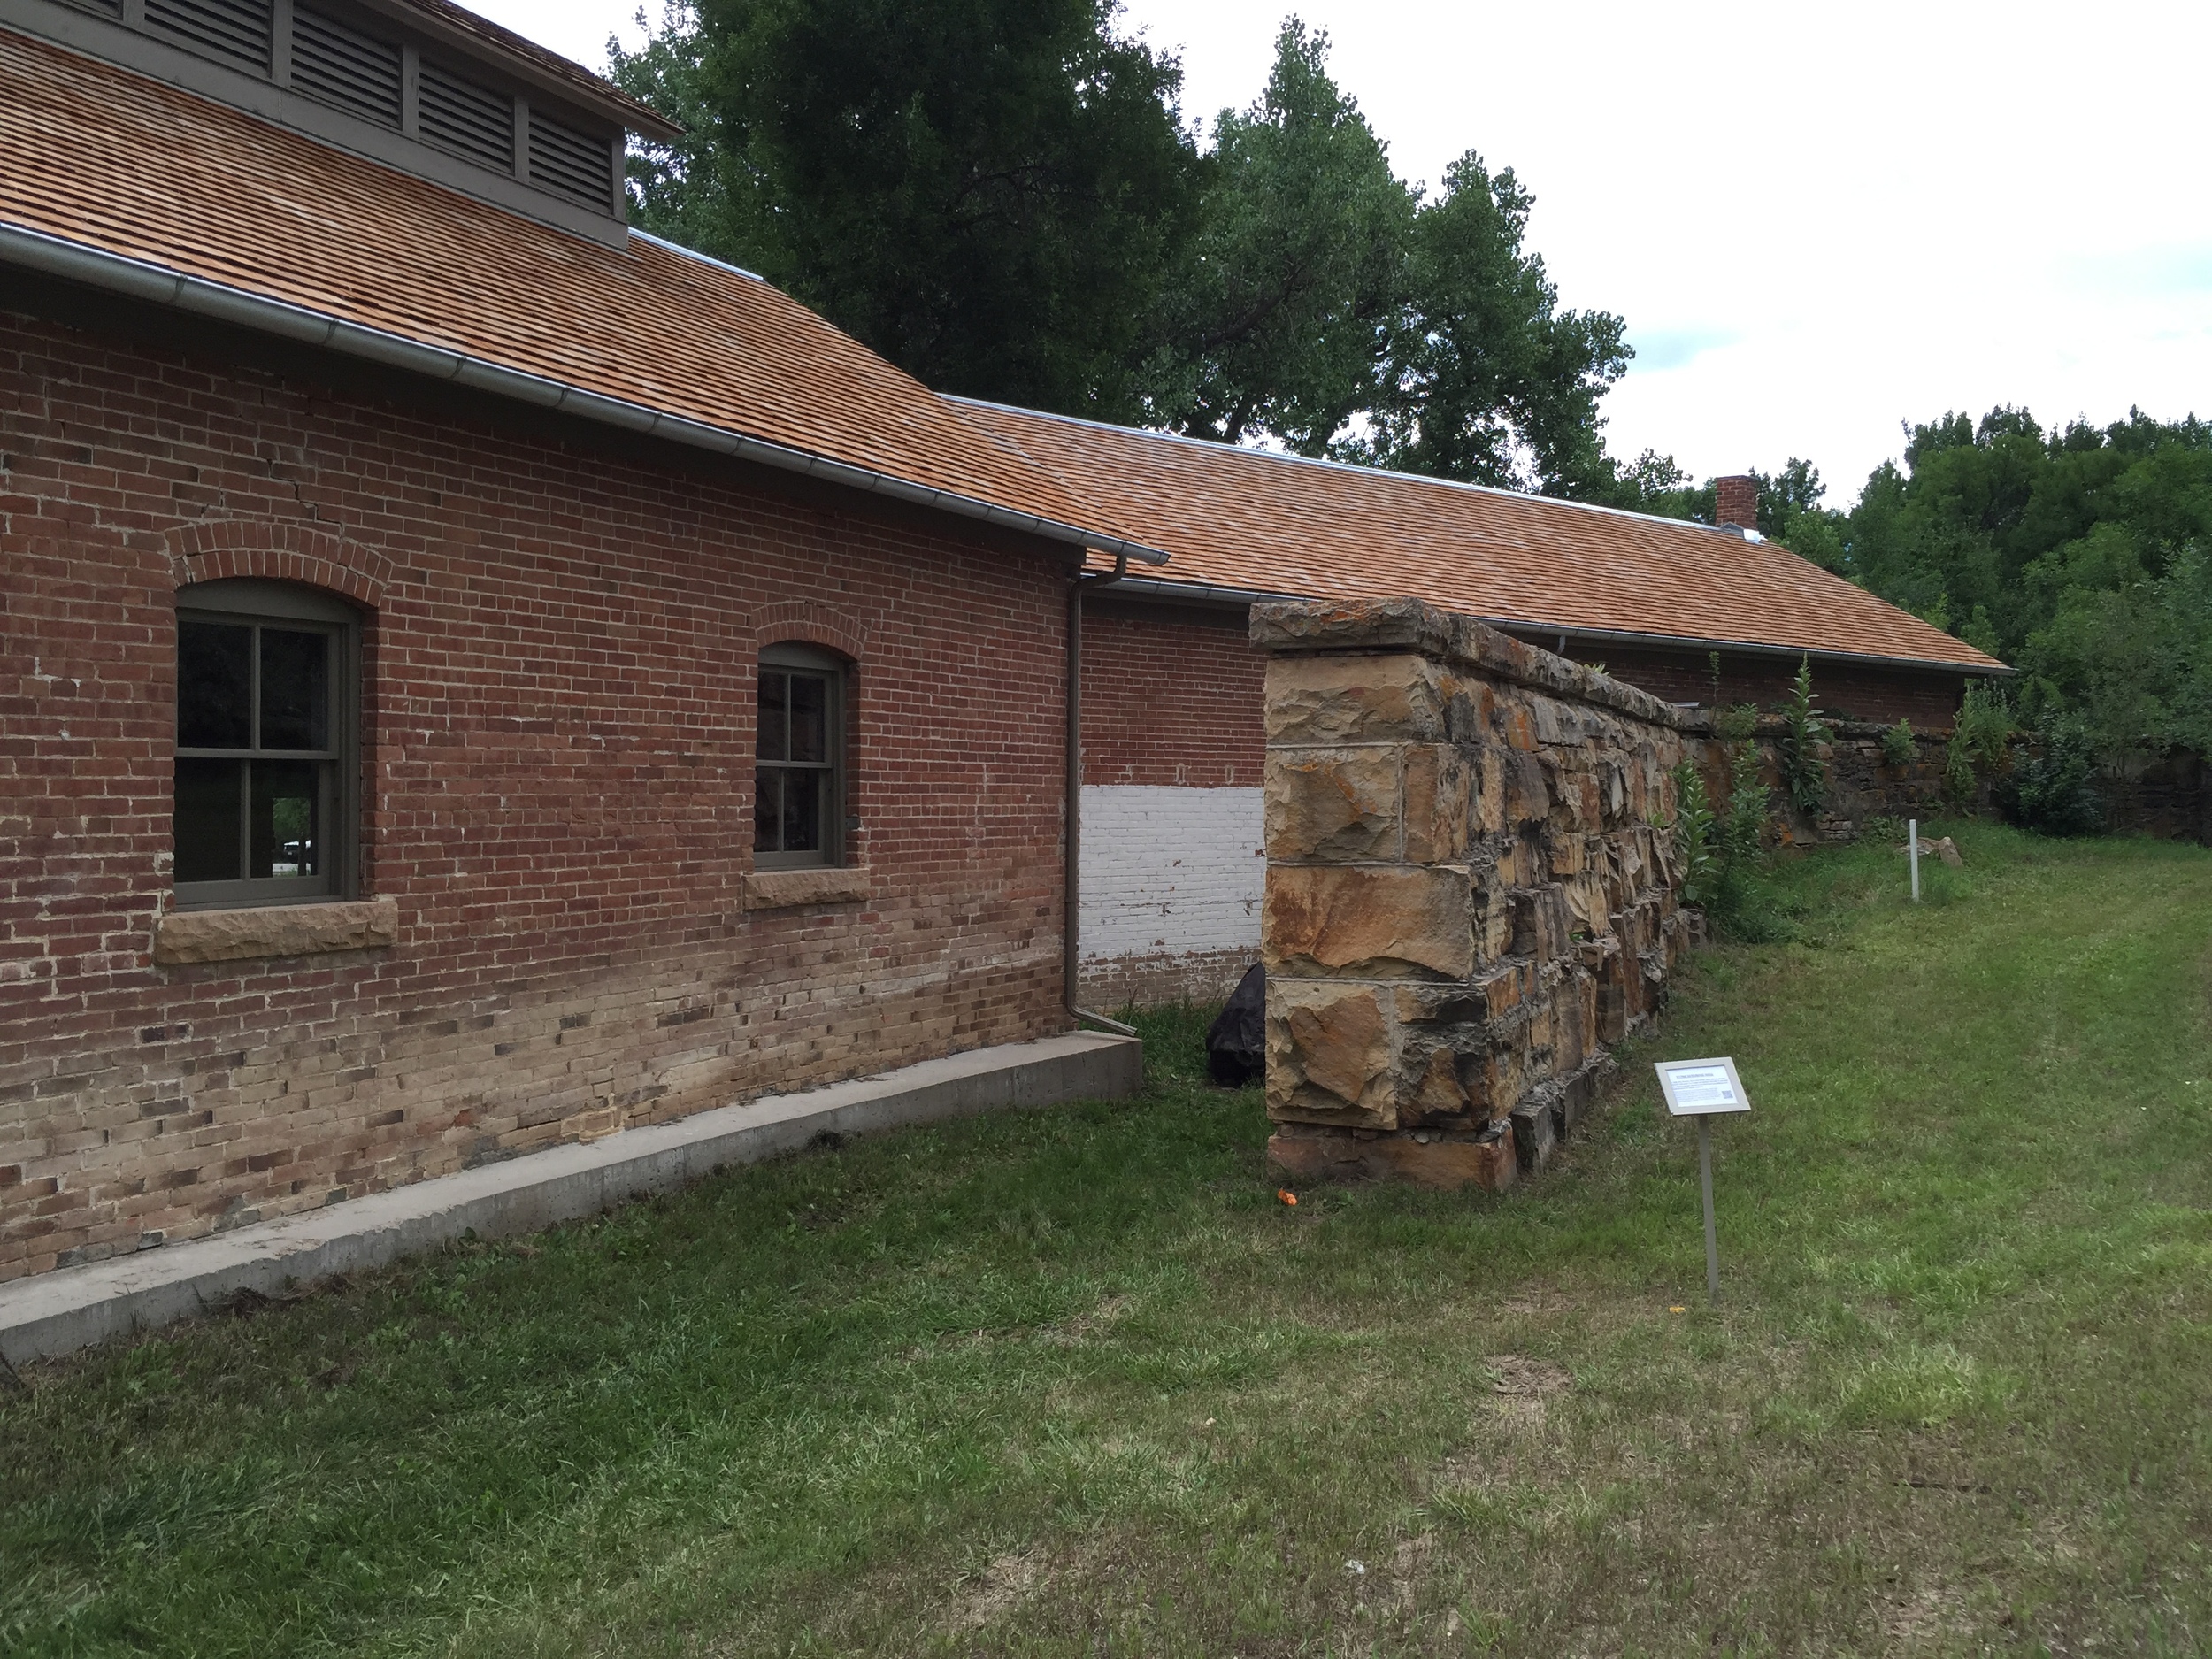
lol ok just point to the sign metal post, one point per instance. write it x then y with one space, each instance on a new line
1704 1089
1912 854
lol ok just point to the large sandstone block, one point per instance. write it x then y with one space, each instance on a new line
1527 794
1333 803
1440 795
1323 701
1542 923
1535 1135
1484 1159
1329 1054
1381 922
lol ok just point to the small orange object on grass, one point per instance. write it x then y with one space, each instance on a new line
1287 1196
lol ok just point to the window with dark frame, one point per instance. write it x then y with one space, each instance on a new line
798 781
264 760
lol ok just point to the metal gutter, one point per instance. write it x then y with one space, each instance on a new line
160 285
1198 593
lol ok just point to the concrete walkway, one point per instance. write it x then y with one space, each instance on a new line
73 1308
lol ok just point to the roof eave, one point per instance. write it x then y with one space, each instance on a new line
1196 593
1753 648
161 285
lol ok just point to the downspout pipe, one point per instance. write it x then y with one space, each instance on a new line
1072 903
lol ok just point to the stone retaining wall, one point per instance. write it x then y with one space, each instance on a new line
1467 896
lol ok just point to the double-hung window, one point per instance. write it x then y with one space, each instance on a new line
266 674
798 773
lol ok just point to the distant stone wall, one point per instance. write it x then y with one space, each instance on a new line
1466 894
2167 795
1863 784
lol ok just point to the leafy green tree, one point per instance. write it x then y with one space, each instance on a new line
1484 379
1275 316
987 192
1001 196
678 190
2131 663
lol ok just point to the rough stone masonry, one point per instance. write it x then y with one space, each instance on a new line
1469 889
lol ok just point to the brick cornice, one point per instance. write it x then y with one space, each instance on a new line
279 551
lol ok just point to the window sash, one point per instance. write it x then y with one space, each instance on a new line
771 746
334 786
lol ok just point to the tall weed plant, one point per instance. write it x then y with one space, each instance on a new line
1722 850
1804 768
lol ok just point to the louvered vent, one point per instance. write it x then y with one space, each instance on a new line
105 8
343 66
569 162
233 31
466 119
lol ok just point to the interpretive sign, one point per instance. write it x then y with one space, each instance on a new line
1704 1089
1695 1088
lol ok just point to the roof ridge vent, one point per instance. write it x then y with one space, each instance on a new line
343 66
231 31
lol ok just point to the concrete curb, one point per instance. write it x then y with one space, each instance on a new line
73 1308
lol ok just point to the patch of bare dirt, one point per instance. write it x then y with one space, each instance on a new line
996 1591
1518 1374
1925 1617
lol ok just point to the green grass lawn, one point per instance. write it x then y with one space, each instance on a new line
1074 1382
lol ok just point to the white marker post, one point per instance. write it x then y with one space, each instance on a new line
1912 854
1702 1089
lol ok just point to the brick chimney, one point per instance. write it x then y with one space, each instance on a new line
1736 501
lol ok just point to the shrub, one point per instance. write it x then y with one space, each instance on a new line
1738 725
1899 748
1804 772
1981 738
2056 792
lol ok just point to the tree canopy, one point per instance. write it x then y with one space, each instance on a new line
984 191
2080 555
1003 197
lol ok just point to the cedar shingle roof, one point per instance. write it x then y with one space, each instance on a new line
1247 518
108 159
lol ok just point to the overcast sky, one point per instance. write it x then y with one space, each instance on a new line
1819 220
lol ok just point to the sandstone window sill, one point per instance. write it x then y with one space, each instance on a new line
275 929
795 889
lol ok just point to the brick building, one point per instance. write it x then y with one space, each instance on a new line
1171 695
471 677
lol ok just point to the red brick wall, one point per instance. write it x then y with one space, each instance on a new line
557 779
1170 695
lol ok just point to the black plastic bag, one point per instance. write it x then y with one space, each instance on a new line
1236 1046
